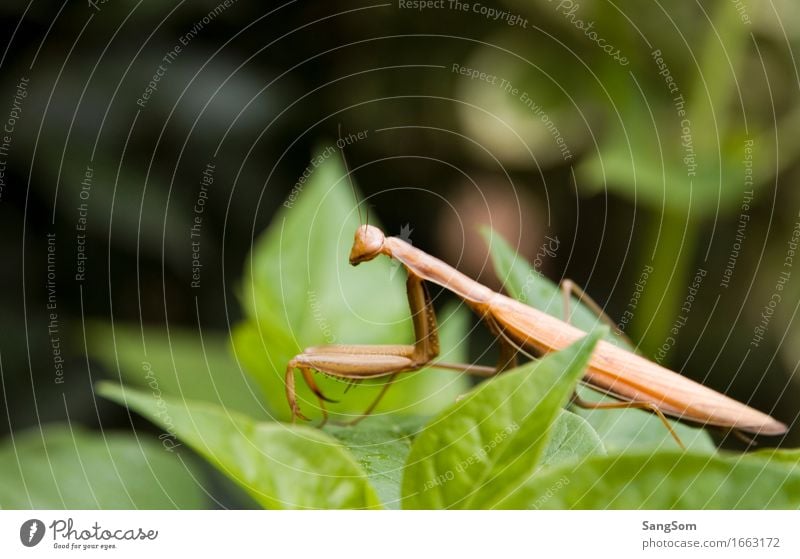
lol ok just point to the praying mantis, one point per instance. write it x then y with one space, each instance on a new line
628 377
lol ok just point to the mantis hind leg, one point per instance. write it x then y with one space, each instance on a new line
742 437
367 412
569 289
581 403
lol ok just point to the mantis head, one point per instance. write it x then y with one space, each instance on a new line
367 244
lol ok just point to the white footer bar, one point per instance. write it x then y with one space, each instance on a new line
399 534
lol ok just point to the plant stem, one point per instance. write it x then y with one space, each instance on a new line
669 249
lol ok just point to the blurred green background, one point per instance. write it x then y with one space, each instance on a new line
645 150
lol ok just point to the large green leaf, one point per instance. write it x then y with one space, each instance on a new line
298 274
571 437
61 467
478 451
665 480
619 429
381 445
299 290
281 466
174 362
688 161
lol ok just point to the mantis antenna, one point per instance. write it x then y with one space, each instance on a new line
350 178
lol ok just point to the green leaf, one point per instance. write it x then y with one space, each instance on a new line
281 466
300 291
619 429
381 445
665 480
788 455
298 275
478 451
181 363
571 437
61 467
682 162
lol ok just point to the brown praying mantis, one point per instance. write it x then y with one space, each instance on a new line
628 377
633 380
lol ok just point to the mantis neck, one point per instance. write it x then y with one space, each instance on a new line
434 270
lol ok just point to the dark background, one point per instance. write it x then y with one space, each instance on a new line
261 86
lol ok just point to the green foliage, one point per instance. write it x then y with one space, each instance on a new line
506 443
280 466
481 450
667 480
300 291
571 436
61 467
178 363
381 445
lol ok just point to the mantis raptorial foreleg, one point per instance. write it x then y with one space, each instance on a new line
358 362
